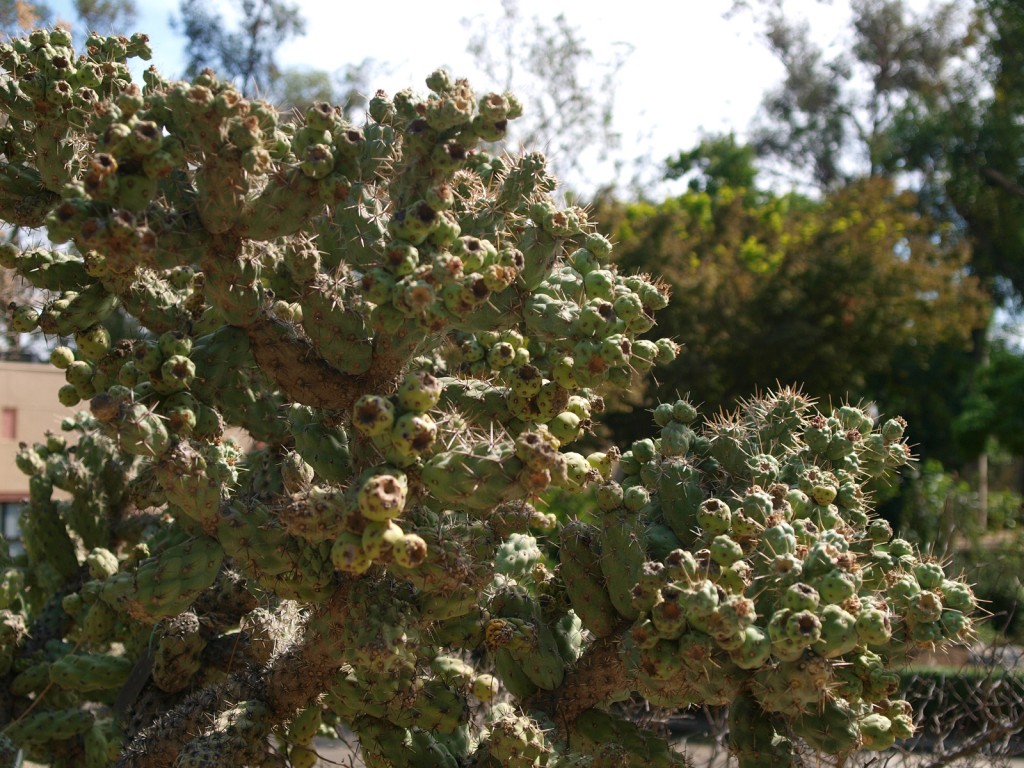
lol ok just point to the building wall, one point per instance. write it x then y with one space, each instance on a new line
28 403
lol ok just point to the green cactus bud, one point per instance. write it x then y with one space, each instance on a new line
714 517
419 392
24 319
957 596
635 498
373 415
382 497
800 597
838 632
754 650
873 627
62 357
102 563
929 575
609 496
924 607
668 350
879 531
837 586
347 554
601 462
410 551
379 538
68 396
413 433
725 551
565 427
664 414
892 430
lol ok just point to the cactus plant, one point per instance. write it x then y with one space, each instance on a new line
414 336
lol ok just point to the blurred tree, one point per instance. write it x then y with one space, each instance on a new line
567 90
18 16
934 98
347 87
834 294
830 120
717 162
105 16
993 409
969 151
246 55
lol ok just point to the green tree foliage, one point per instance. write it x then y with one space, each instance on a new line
717 162
968 147
933 98
993 409
835 293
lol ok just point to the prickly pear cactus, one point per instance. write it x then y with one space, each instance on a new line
413 338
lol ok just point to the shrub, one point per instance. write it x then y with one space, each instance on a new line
414 334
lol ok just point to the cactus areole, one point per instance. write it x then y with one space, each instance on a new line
417 336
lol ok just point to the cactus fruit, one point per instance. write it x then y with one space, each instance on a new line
415 333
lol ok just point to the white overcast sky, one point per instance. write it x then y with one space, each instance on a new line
690 70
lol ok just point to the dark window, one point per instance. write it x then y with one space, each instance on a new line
11 511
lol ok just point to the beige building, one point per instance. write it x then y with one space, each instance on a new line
28 408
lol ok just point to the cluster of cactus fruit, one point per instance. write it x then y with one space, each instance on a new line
411 336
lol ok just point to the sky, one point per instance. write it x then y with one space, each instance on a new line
689 71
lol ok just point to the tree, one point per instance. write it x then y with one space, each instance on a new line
991 409
967 150
107 16
774 288
931 98
716 163
17 16
247 55
831 118
413 334
569 112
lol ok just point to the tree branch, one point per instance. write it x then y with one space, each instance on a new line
1001 180
305 377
